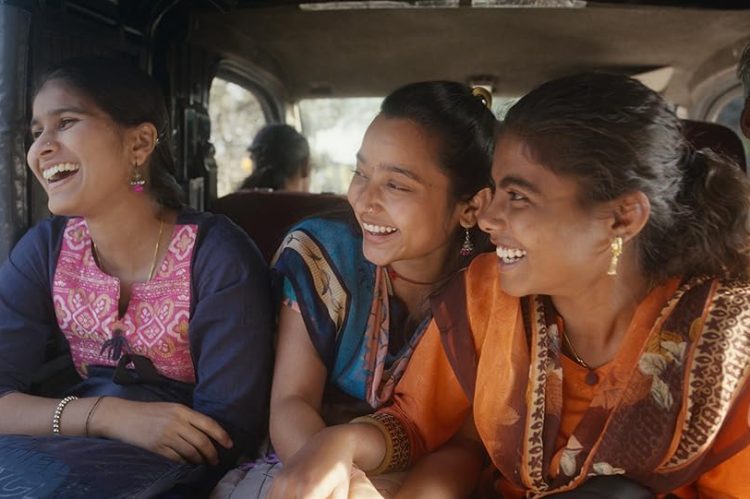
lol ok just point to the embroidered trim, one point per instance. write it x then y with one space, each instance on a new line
721 364
327 285
398 448
534 444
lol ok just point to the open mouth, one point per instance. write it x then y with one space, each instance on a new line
510 255
59 172
379 230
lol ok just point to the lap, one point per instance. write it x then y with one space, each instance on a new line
251 480
71 467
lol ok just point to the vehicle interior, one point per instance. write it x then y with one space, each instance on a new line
230 66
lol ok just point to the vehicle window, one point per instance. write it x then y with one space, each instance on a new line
236 116
728 114
334 128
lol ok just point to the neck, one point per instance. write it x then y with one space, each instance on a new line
597 316
413 280
125 236
395 276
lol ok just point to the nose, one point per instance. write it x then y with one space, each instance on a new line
491 217
367 199
43 146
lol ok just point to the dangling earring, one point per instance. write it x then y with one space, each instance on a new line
616 248
467 248
136 179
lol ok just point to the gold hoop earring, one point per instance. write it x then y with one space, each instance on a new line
616 247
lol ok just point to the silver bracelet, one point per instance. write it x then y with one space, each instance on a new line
57 415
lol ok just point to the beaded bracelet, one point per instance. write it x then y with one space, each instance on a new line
57 415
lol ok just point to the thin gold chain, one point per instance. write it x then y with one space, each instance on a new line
572 350
156 251
153 259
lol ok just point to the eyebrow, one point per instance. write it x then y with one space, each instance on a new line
521 182
61 110
393 168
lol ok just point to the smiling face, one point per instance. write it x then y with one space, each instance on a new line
79 153
402 199
547 243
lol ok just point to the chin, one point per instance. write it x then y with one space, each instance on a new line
514 289
62 208
376 257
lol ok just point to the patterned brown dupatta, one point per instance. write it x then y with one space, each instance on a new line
674 404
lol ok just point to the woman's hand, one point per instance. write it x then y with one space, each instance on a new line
321 469
169 429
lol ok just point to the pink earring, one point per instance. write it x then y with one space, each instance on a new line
136 180
467 248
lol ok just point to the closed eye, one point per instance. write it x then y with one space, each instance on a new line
516 196
358 173
398 187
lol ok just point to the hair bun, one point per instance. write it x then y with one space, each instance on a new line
484 95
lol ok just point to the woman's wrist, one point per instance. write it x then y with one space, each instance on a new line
101 419
369 445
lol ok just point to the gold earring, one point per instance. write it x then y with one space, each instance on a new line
616 248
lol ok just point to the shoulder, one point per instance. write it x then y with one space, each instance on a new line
482 276
734 287
326 230
486 300
731 298
220 242
44 237
327 238
217 232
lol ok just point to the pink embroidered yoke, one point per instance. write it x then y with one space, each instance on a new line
155 323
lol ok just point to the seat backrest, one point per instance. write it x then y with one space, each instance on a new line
267 216
714 136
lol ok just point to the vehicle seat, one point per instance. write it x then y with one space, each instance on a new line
717 137
266 216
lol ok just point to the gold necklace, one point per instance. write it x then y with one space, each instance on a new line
153 259
572 350
591 377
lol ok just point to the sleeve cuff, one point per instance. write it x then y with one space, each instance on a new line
398 449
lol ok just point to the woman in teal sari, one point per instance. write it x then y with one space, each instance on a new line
356 287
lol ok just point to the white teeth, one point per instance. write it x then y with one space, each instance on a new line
379 229
509 255
62 167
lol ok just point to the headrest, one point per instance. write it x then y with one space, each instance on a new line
267 216
703 134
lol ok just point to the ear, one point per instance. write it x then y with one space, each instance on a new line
469 210
142 142
745 119
630 213
305 170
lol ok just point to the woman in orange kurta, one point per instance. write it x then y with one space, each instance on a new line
609 336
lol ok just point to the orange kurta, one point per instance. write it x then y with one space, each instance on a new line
528 404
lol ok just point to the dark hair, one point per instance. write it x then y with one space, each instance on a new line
129 97
616 136
464 127
279 152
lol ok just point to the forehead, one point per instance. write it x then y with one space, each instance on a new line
402 142
514 158
57 94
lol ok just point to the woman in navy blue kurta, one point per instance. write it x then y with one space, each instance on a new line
169 332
